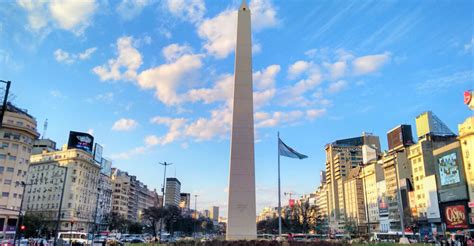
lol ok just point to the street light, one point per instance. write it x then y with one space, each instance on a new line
58 221
19 212
165 164
4 100
399 195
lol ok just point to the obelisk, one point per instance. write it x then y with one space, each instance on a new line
241 221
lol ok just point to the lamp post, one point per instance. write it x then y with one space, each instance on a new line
20 215
5 100
399 195
58 221
165 164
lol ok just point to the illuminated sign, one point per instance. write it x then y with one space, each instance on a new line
455 217
80 140
98 149
291 202
448 169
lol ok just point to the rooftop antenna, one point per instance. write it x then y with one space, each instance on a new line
45 127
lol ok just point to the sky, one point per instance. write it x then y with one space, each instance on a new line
152 80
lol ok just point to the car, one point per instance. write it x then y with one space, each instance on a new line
137 240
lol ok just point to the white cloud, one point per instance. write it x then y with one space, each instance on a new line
68 58
87 53
219 32
263 14
129 9
174 51
63 56
124 125
188 10
315 113
90 131
337 86
166 78
311 53
278 117
128 58
265 79
298 68
149 142
174 129
105 97
221 91
38 14
337 69
469 47
370 63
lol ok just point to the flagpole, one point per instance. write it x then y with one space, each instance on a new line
279 189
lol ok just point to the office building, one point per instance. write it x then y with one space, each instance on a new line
41 145
354 207
18 132
73 170
466 139
341 157
185 201
214 214
172 192
372 173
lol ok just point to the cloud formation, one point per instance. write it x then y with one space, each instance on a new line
124 124
62 56
370 63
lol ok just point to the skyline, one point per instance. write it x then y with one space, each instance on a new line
305 89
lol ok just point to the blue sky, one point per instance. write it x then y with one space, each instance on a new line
152 79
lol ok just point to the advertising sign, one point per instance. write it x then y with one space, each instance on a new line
106 167
80 140
467 97
383 204
98 149
448 169
455 217
431 193
400 136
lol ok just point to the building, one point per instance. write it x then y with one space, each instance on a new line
266 214
121 192
104 206
321 198
341 156
185 201
73 170
372 174
382 202
18 132
214 214
41 145
146 199
172 192
428 123
466 138
354 207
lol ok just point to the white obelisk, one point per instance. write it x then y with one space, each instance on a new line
241 222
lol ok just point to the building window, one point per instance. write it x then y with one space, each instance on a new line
12 158
10 169
3 157
5 194
7 181
5 145
15 146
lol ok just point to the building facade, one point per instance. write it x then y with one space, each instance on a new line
466 139
185 201
172 192
71 170
18 132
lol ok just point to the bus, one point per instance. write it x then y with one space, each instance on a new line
79 237
393 237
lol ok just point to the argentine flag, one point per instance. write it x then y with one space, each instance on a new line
287 151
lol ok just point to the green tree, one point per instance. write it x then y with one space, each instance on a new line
171 217
153 216
135 228
115 221
36 225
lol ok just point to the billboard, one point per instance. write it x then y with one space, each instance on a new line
400 136
455 217
98 149
80 140
431 193
448 169
106 167
383 205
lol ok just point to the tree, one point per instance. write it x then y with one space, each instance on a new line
115 221
36 225
171 216
154 215
135 228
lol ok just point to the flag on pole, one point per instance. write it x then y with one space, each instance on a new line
287 151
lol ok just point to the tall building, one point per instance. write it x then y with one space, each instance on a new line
185 201
214 214
241 204
121 192
18 132
104 206
354 207
341 156
172 192
423 165
372 173
466 138
41 145
146 199
46 183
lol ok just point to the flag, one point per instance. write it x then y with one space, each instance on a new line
287 151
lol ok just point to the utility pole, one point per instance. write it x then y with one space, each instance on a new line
20 214
165 164
5 100
58 221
